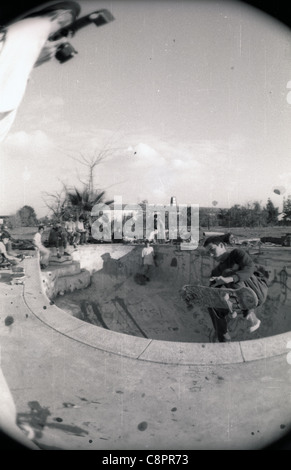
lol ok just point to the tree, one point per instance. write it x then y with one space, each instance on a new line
57 203
256 215
287 206
203 217
27 216
235 216
224 217
272 213
14 221
82 202
91 161
44 220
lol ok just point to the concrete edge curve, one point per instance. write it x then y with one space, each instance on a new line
142 349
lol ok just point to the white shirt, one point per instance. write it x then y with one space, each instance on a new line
148 255
3 249
80 226
70 226
37 239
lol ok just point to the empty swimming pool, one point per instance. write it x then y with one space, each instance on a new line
115 301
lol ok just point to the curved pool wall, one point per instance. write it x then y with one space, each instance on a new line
73 382
107 270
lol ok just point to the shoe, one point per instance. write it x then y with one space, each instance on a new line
40 10
255 322
59 256
66 254
255 327
226 338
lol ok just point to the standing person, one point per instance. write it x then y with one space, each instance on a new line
24 44
87 227
81 229
148 258
44 253
58 239
235 269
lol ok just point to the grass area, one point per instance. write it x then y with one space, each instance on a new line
252 232
27 233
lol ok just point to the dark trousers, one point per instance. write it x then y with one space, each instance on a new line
218 317
58 240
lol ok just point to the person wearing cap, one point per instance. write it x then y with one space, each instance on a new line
25 44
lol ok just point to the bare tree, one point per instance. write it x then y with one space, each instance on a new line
57 202
77 200
92 160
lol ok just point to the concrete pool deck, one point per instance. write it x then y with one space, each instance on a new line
79 386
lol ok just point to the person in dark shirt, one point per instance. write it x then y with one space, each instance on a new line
235 269
58 239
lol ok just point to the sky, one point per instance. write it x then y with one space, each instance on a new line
188 98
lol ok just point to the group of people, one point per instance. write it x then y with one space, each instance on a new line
60 236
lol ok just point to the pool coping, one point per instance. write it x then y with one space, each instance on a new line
143 349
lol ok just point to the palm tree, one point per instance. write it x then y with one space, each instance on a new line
82 202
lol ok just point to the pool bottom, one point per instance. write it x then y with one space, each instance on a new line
156 311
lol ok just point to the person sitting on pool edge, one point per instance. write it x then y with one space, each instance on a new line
44 253
5 258
235 269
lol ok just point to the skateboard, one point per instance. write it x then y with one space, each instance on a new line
212 297
66 51
33 7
